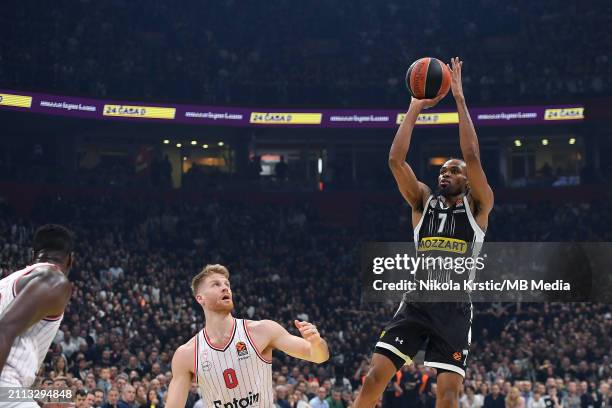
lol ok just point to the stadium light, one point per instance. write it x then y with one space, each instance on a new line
518 143
179 145
320 165
544 142
220 144
184 158
572 141
166 141
194 142
204 146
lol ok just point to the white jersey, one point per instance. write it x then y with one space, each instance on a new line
234 376
29 349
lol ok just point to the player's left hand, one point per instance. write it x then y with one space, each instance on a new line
455 68
308 331
421 104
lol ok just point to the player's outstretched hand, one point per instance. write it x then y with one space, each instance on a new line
421 104
308 331
455 68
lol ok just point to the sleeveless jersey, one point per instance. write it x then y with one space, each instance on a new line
29 349
447 231
234 376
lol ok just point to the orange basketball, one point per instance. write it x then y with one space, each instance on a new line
427 78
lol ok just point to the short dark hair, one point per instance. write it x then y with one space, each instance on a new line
53 237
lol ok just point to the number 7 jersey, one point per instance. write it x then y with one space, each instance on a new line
234 376
447 230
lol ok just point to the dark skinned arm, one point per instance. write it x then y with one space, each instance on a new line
480 190
411 188
46 294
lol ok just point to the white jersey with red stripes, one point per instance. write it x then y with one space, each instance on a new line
29 349
234 376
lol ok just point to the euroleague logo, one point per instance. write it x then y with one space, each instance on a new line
241 349
457 356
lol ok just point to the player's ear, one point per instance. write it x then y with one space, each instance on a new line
70 262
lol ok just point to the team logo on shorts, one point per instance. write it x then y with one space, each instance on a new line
241 348
457 356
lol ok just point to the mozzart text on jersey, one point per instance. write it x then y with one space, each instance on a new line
490 285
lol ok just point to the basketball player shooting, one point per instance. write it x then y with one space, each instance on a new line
231 359
458 211
32 303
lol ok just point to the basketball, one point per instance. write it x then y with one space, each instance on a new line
428 78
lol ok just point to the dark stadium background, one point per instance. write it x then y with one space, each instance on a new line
148 215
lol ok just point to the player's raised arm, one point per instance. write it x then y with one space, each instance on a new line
479 187
310 346
182 375
46 294
412 189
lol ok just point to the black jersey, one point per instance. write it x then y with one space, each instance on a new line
447 230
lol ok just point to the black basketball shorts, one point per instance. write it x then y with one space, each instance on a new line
443 330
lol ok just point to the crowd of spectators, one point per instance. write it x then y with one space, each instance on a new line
321 53
131 306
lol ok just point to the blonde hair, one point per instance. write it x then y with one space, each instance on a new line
205 273
513 398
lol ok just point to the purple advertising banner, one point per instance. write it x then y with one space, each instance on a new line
272 117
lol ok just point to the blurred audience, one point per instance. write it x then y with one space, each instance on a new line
241 53
131 306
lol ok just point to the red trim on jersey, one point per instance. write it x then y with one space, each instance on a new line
261 357
17 280
50 318
229 341
195 358
27 273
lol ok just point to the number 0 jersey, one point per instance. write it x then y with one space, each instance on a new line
236 375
